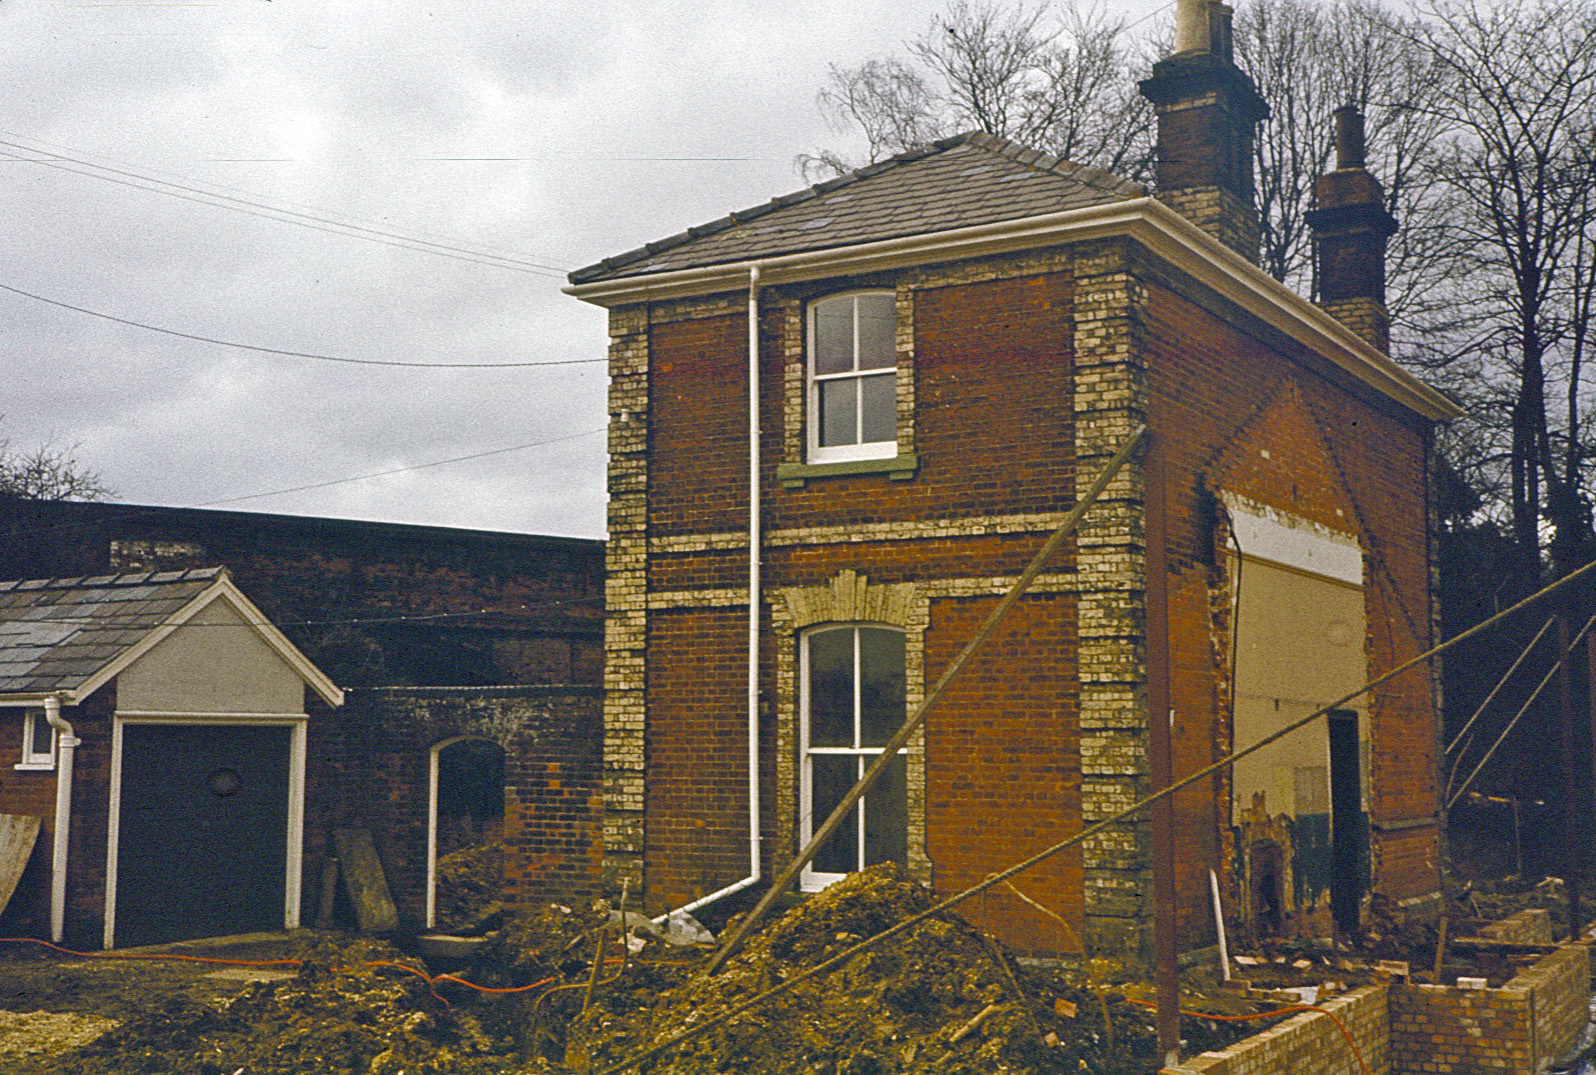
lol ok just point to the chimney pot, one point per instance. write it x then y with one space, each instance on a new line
1193 32
1351 151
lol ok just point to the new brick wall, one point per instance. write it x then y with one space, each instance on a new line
1519 1028
1310 1043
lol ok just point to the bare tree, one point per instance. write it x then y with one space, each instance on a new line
1515 114
1064 85
50 471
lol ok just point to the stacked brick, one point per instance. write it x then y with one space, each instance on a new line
1310 1043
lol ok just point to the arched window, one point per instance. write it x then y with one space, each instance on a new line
852 701
852 377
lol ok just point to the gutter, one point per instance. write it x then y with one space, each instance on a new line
1148 221
67 744
755 565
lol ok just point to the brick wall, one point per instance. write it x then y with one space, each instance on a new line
1019 375
342 589
1533 1019
1310 1043
368 765
1530 926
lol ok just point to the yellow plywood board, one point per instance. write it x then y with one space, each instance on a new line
365 882
18 833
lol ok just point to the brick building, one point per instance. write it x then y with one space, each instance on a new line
944 348
374 603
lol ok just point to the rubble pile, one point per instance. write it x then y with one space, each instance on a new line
470 881
337 1016
938 997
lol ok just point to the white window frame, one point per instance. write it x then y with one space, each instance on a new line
32 759
811 879
839 453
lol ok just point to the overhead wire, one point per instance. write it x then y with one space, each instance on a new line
299 354
401 470
61 158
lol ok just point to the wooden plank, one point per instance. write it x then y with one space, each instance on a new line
364 881
18 833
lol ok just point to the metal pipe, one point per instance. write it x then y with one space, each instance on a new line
66 752
1219 925
755 563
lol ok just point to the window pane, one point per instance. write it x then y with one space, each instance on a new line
877 332
881 707
834 336
831 688
40 744
832 776
839 412
879 393
886 815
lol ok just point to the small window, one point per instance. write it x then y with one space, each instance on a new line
38 741
853 378
853 702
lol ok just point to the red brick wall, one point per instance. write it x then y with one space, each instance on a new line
697 789
1220 400
28 793
1003 768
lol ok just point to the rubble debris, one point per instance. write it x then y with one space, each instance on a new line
936 997
469 883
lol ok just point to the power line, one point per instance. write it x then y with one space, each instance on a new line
299 354
192 190
402 470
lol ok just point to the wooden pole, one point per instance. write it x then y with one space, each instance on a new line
1161 759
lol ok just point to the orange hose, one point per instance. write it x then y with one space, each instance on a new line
431 980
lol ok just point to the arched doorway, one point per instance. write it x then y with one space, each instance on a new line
465 818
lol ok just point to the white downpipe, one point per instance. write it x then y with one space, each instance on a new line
67 744
755 867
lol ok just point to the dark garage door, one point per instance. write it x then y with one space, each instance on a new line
202 844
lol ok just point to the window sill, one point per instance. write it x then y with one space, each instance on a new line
35 767
896 467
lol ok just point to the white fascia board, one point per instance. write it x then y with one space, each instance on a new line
1265 533
1148 221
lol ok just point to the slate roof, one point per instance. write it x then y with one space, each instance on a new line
969 179
55 634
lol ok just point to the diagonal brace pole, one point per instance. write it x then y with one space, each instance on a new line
917 718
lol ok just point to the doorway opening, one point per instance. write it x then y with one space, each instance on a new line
465 835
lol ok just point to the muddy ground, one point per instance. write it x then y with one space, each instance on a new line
943 997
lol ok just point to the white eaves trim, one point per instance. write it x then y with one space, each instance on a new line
1148 221
222 589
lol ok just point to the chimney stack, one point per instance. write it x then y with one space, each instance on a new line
1350 228
1208 110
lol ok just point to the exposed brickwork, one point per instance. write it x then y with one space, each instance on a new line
1533 1019
1309 1043
369 765
1531 926
342 590
1018 378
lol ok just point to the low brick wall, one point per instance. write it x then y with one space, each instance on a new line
1533 1019
1309 1043
1533 926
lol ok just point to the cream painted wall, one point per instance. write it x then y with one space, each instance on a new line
1300 647
215 663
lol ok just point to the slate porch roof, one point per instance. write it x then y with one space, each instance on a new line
958 182
55 634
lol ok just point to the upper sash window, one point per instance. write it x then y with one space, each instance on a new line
38 741
853 377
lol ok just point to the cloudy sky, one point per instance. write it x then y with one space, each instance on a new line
519 139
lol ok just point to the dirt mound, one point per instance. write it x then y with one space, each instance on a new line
339 1016
470 885
940 996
